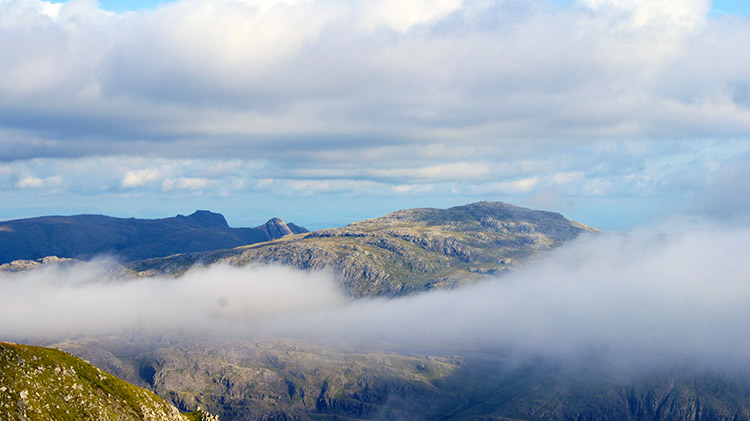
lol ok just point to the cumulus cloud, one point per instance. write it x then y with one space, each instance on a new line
207 74
499 99
186 183
675 292
31 182
138 178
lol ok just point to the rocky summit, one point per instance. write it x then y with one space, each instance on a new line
406 251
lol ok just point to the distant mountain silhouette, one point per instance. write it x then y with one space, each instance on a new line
127 239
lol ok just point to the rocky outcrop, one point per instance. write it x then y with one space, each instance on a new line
23 265
276 228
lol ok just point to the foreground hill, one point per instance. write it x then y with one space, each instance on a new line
406 251
47 384
86 236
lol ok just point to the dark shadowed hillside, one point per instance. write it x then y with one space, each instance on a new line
85 236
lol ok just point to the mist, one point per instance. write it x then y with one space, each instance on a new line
672 292
91 299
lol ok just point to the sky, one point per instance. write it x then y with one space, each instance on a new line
615 113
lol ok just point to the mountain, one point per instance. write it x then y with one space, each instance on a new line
286 380
275 379
86 236
289 379
40 383
403 252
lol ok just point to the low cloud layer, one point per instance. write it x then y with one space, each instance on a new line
670 293
91 299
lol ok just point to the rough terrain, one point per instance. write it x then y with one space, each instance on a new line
404 252
48 384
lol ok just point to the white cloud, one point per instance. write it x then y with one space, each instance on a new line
203 74
187 183
337 96
402 16
567 177
87 298
682 14
522 185
412 188
30 183
452 171
326 186
140 177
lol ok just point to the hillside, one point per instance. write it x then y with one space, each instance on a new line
47 384
86 236
283 380
406 251
275 379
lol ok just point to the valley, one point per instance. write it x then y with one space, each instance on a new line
316 364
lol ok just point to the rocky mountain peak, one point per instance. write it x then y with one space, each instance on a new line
206 218
277 228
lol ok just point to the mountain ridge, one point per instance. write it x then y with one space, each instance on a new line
403 252
86 236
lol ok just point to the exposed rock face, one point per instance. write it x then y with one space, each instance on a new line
406 251
41 383
23 265
85 236
276 228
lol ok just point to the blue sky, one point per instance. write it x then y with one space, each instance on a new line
615 113
738 7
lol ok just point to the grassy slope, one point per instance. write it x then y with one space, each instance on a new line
47 384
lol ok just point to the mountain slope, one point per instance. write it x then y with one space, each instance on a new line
283 379
406 251
41 383
85 236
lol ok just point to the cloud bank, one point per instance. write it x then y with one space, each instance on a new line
340 74
582 104
677 292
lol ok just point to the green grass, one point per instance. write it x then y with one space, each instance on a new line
42 383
